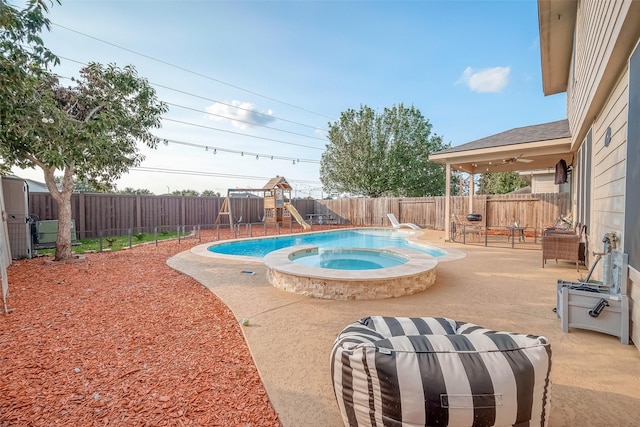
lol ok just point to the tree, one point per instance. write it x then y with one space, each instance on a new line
138 191
210 193
20 65
79 186
88 131
186 193
382 154
500 182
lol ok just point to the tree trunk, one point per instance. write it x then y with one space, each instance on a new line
63 199
63 240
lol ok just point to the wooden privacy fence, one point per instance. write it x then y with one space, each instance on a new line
96 212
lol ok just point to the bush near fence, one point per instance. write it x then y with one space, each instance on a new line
96 212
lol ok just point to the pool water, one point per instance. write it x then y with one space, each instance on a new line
349 259
361 238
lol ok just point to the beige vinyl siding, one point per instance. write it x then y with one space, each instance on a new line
544 184
609 164
597 27
609 185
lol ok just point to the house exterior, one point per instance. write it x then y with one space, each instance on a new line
589 49
543 181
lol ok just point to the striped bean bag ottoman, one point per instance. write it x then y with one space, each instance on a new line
425 371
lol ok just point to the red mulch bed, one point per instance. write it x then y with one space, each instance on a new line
122 339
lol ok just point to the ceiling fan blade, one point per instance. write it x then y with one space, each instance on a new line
524 160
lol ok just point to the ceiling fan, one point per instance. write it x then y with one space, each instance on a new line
516 159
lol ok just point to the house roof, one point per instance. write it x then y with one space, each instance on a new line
524 148
37 187
534 133
556 23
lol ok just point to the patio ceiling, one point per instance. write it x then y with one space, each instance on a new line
520 149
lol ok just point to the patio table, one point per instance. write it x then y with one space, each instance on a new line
513 230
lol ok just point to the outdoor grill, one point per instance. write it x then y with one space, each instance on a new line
474 217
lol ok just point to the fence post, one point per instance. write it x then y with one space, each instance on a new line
199 234
100 236
178 234
130 239
278 227
155 233
250 230
218 232
486 236
265 228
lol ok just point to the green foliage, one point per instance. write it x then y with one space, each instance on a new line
384 154
114 243
131 190
193 193
500 183
23 61
210 193
88 131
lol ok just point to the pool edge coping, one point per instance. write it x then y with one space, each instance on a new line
450 254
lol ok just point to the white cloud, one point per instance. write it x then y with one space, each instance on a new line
242 115
487 80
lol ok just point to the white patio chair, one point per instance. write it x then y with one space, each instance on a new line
396 224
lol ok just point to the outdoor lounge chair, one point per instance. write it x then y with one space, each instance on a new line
396 224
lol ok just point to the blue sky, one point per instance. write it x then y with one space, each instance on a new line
471 67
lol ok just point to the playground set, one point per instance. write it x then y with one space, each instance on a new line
278 209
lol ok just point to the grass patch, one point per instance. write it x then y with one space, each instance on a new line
115 243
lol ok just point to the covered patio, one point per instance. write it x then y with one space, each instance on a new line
528 148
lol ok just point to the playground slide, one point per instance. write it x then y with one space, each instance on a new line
294 212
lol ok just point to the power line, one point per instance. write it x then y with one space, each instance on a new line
215 150
235 133
212 174
240 133
245 121
215 101
230 105
192 72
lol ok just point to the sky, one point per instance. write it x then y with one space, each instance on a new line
246 81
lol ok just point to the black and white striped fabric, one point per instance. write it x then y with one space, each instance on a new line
401 371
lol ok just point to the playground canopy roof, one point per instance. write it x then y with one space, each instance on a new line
277 182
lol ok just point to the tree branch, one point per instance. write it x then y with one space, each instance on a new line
70 109
94 112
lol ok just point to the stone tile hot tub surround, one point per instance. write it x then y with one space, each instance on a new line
416 275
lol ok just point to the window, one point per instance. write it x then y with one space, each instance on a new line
632 202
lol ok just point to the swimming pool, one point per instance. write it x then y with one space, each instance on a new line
355 238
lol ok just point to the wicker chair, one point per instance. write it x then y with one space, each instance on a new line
464 227
561 245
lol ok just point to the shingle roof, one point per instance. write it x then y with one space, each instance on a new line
277 182
534 133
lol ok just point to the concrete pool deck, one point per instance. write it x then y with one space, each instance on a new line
596 379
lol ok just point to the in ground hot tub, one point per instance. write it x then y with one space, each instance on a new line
413 272
348 259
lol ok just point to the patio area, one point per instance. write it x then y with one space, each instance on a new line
596 379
